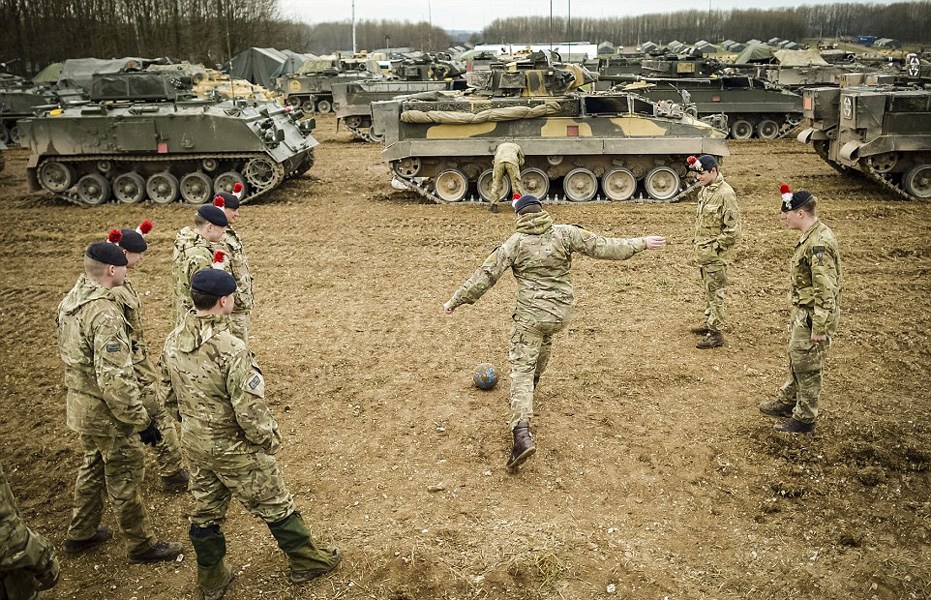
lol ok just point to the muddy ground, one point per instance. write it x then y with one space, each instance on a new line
655 477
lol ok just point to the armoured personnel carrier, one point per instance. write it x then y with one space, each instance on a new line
881 131
18 99
353 100
141 136
311 87
578 147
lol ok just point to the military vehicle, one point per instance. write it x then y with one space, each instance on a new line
311 87
353 100
881 131
142 136
578 147
18 98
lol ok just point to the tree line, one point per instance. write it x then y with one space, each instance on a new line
39 32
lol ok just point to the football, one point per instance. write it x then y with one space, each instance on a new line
485 376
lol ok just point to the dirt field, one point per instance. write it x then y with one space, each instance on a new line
655 477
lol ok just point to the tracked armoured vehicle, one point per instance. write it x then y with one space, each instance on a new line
578 147
141 137
353 100
311 87
881 131
18 99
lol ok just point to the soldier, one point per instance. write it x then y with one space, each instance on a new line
167 451
193 252
816 279
27 560
105 410
540 256
509 158
716 229
239 265
210 383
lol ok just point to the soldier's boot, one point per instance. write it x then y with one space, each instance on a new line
714 339
795 426
307 560
523 446
703 330
176 482
100 536
161 552
777 407
536 382
213 576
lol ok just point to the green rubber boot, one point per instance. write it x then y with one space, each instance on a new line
213 576
307 560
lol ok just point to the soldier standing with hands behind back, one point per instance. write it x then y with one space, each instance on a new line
717 227
232 245
194 251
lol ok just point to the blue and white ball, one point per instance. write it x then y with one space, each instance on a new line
485 376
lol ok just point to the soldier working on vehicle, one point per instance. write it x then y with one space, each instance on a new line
509 158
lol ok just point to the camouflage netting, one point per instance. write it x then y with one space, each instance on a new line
238 88
510 113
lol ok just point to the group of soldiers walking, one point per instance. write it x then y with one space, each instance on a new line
118 401
208 380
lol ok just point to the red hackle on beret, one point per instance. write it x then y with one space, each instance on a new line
237 189
218 201
145 227
784 188
115 236
218 258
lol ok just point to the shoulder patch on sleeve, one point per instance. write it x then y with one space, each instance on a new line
113 347
818 252
254 382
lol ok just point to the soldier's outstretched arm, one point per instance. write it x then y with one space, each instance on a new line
597 246
113 365
483 278
246 387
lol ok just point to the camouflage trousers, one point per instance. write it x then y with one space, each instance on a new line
714 278
528 352
497 180
115 466
239 325
168 451
253 479
806 366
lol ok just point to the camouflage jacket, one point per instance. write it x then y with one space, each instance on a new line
21 548
239 267
128 299
191 254
817 277
509 152
210 382
717 225
103 394
540 256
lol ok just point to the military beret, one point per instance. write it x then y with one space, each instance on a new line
525 201
107 253
705 162
792 200
213 282
132 241
213 215
226 200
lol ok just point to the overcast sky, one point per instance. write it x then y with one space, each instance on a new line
475 14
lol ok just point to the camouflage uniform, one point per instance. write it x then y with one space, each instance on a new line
540 256
167 451
716 229
191 254
105 409
27 560
239 268
817 278
211 383
509 158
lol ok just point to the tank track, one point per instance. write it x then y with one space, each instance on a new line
255 191
422 188
363 134
887 182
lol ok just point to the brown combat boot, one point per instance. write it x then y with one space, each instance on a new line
523 446
795 426
703 330
102 535
160 552
777 407
176 482
714 339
